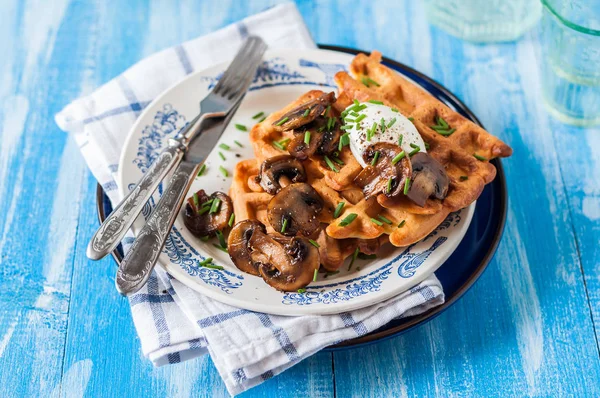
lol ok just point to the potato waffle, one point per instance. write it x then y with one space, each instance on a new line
464 155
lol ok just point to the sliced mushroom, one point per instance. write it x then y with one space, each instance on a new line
429 179
272 169
237 244
296 117
321 140
295 209
284 266
199 219
383 177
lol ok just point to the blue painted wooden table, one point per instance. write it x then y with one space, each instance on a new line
528 327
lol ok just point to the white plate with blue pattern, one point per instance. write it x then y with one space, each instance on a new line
284 76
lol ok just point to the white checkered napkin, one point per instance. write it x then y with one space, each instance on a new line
175 323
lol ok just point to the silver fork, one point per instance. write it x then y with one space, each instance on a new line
218 103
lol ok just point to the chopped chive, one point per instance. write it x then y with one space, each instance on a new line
315 244
377 222
360 117
203 210
213 266
427 146
464 178
214 208
398 157
301 290
307 137
238 143
414 151
224 146
231 220
208 260
221 248
338 160
406 185
353 258
222 156
445 133
395 110
208 203
285 224
241 127
349 120
221 238
375 158
320 129
442 122
262 119
259 114
401 223
352 113
364 256
285 141
306 112
328 110
348 219
330 164
382 125
315 275
360 107
224 171
330 123
389 185
338 209
202 169
355 101
346 127
344 140
376 102
413 145
204 238
400 139
196 201
479 157
279 123
391 123
367 81
412 119
385 220
278 145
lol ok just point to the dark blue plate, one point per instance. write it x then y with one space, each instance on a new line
470 258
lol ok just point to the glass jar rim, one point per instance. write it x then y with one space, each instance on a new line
568 23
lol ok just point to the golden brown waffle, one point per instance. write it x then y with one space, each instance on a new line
410 223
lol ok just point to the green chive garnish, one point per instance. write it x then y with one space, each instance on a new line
241 127
279 123
338 161
208 203
196 201
479 157
352 113
330 123
224 249
301 290
259 114
412 145
412 119
346 127
222 156
391 123
315 244
213 266
330 164
285 224
221 238
208 260
375 158
382 125
204 238
385 220
406 185
355 101
414 151
376 102
215 206
307 137
344 140
262 119
398 157
367 81
442 127
377 222
427 146
306 112
203 210
348 219
202 169
224 171
400 139
349 120
442 122
231 220
401 223
360 117
338 209
315 275
389 185
278 145
238 143
464 178
353 258
224 146
395 110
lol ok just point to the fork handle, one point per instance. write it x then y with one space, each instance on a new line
141 258
114 228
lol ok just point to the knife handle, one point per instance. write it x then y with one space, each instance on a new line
114 228
137 265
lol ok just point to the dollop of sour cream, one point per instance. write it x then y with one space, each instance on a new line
395 125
